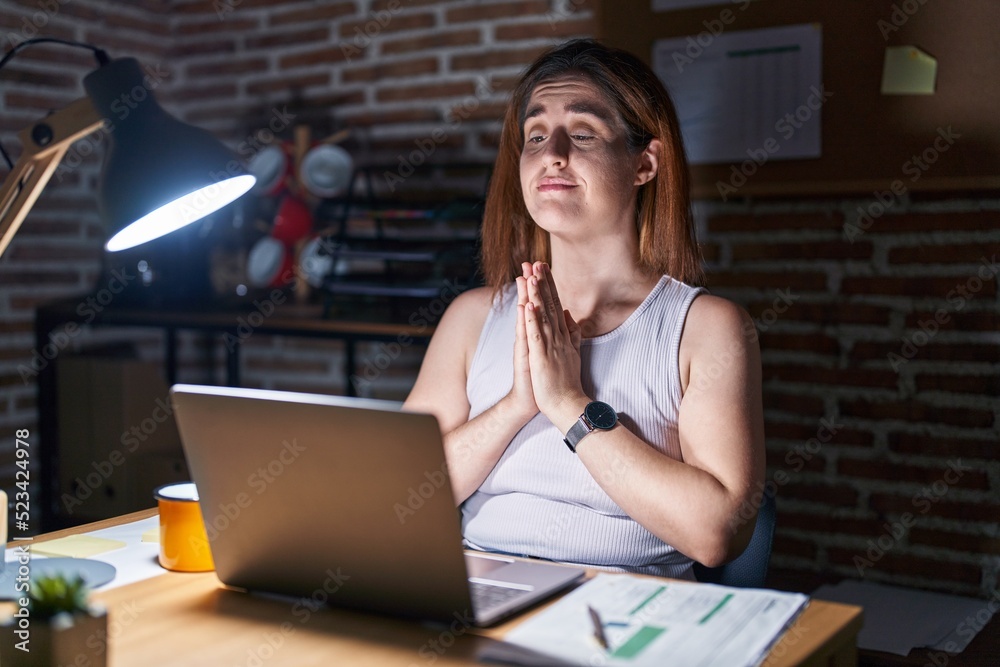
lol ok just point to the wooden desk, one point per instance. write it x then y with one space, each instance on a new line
190 619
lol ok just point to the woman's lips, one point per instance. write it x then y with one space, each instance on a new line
555 185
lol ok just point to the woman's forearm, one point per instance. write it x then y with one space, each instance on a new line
473 449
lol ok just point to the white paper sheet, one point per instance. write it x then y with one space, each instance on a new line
751 94
135 562
654 622
899 619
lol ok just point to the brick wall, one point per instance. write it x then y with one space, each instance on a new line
880 354
885 465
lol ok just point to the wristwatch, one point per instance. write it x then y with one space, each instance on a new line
595 415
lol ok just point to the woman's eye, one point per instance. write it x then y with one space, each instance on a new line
583 137
536 139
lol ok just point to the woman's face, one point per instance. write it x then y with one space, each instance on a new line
577 174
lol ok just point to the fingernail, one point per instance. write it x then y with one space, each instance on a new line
534 280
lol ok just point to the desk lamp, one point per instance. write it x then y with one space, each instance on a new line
159 174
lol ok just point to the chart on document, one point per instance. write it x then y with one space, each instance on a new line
752 94
649 621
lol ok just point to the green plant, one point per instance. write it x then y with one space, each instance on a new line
56 594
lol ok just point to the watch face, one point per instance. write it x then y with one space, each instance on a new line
601 415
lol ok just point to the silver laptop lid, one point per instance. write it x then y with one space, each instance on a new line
325 496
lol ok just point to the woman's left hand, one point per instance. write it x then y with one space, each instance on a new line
553 345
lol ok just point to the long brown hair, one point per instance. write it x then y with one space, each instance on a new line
667 243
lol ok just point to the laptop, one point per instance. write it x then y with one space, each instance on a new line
343 500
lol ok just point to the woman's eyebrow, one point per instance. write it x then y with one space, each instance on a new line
580 107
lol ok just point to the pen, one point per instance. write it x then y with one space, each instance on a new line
598 627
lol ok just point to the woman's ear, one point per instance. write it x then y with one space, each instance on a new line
648 162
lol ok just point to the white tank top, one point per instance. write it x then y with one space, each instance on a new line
540 500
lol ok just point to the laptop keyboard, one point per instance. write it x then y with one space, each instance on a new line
486 597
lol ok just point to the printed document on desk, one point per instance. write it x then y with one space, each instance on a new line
648 621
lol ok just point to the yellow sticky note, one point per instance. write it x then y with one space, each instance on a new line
908 71
77 546
152 535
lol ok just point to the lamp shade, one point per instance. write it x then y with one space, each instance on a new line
159 174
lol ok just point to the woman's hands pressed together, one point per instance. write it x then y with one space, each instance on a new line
547 348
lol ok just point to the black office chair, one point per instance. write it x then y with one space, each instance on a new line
749 569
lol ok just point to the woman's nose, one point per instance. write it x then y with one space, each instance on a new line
557 149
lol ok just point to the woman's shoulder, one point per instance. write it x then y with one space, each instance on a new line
713 321
467 312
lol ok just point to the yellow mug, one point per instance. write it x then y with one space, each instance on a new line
183 540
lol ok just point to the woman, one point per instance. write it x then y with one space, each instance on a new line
596 406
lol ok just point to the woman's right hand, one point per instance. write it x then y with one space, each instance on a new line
521 395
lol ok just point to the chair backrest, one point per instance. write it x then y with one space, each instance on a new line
749 569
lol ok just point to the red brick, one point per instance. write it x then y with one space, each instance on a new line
964 510
882 469
48 229
895 563
554 29
915 411
325 12
799 342
790 546
227 68
23 276
393 5
60 82
391 117
504 84
827 524
406 145
491 111
914 286
955 541
837 495
287 83
182 50
397 23
435 90
36 101
496 58
834 313
968 253
870 350
793 459
408 67
44 53
214 25
436 41
489 140
936 222
135 24
946 319
709 251
793 402
800 251
802 432
295 37
322 56
501 10
24 326
37 252
809 374
797 281
971 384
944 446
774 221
285 365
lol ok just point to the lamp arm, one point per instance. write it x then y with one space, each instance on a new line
45 143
